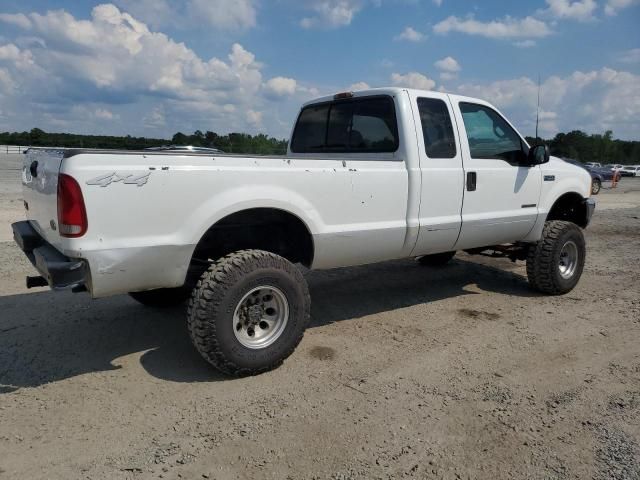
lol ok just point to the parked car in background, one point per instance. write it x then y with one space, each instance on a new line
614 167
593 165
598 175
184 148
630 171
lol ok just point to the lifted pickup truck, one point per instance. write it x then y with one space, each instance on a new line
369 176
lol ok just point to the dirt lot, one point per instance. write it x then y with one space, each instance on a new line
405 372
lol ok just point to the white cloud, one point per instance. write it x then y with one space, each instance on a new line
358 86
11 54
280 86
331 13
254 118
438 2
17 19
153 12
104 114
449 68
506 28
224 14
613 6
448 64
593 101
580 10
221 14
630 56
115 67
412 80
155 119
410 35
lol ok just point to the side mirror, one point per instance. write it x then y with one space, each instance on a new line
538 155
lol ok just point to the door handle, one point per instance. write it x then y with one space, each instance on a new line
472 178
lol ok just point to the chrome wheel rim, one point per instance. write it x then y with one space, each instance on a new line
260 317
568 259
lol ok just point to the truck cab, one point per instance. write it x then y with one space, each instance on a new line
453 172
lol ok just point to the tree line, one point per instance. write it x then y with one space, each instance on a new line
601 148
576 144
232 143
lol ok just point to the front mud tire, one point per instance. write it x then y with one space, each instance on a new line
555 263
212 316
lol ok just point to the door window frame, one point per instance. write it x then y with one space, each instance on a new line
524 146
451 123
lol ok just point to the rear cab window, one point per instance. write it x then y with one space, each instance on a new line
355 125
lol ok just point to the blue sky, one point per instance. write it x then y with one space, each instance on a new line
154 67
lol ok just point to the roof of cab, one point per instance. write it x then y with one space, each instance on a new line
392 91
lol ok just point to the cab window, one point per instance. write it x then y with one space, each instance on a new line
489 135
366 125
437 130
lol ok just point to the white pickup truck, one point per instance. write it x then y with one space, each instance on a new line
369 176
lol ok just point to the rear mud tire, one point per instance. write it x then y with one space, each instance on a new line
221 291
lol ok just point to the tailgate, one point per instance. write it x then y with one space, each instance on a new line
40 189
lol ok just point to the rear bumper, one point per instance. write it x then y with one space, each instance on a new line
589 208
57 269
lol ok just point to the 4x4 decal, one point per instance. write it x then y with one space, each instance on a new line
131 179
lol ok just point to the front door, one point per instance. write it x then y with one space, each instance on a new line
501 193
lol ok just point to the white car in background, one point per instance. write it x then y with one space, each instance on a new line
630 171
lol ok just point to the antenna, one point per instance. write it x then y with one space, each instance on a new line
538 108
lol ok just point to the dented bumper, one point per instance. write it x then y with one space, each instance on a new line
57 269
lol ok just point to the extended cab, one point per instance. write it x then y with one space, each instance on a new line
369 176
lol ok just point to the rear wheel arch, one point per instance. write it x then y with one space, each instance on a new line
269 229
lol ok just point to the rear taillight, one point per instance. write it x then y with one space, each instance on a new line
72 216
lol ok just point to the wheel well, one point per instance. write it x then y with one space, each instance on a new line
269 229
569 207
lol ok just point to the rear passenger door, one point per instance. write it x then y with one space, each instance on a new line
441 173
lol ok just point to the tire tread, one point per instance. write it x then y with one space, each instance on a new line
540 258
210 291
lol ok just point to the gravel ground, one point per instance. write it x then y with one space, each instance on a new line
461 372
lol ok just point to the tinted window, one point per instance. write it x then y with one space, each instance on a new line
489 135
339 126
310 133
437 130
373 127
358 125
